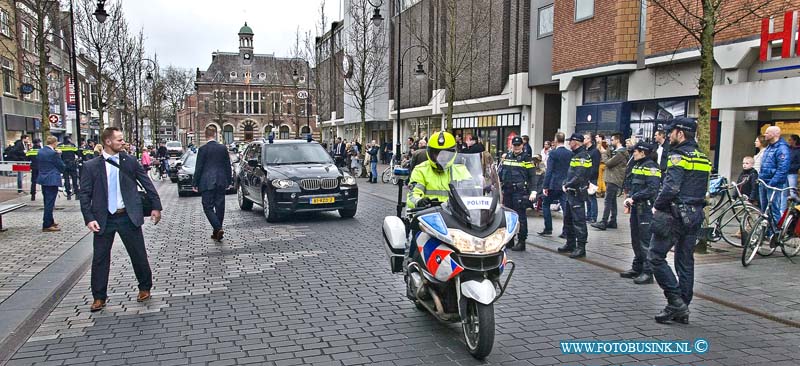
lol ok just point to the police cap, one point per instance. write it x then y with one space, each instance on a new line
683 123
516 140
643 147
576 137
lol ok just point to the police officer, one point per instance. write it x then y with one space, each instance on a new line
677 217
87 151
69 154
642 186
31 155
517 175
575 189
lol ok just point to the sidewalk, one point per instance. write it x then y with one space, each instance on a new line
768 287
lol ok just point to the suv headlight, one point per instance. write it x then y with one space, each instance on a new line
282 183
348 180
183 176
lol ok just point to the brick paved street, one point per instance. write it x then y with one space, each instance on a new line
316 289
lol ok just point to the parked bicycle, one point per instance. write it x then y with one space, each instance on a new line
731 214
388 174
776 234
155 172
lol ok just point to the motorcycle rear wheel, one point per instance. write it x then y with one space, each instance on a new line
478 326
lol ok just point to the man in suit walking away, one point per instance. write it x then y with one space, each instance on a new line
554 177
212 177
111 204
50 168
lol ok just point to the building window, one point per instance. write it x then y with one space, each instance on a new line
227 134
584 9
546 21
267 130
612 88
289 107
256 102
27 40
284 132
5 27
9 85
276 103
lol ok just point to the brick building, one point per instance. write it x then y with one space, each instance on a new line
624 65
244 95
186 118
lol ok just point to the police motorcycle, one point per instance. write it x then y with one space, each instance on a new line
457 251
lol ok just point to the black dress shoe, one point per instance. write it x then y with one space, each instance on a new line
578 253
682 319
629 274
562 236
599 225
545 233
611 225
565 249
643 279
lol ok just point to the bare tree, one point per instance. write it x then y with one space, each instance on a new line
366 48
452 50
703 20
178 83
98 39
125 63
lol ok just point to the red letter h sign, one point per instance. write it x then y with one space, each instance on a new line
787 35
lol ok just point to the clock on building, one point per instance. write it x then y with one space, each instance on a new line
246 56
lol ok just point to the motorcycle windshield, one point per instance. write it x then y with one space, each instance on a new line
474 189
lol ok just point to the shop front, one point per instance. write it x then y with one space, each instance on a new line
495 131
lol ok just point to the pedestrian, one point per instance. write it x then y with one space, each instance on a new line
419 156
339 152
760 144
32 154
575 189
555 174
616 161
748 181
69 153
460 145
594 173
677 217
111 204
212 177
373 151
527 145
794 166
662 151
642 185
545 153
146 159
19 152
162 154
517 174
472 146
50 169
87 151
775 165
389 151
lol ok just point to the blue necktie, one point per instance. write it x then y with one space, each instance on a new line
113 178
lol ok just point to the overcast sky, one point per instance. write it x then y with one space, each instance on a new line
185 32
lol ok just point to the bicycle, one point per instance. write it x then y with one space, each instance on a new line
729 216
388 174
785 238
155 172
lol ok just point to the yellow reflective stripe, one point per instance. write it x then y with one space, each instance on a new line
88 152
68 148
523 164
646 172
578 163
702 165
32 152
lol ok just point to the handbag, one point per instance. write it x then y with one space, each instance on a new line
147 206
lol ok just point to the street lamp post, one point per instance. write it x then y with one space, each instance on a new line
100 13
377 20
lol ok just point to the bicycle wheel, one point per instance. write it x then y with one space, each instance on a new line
791 243
386 175
753 242
735 221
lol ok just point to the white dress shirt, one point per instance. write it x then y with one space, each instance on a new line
120 202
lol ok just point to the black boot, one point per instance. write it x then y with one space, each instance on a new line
630 274
520 247
643 279
611 225
579 252
675 309
599 225
33 196
682 319
566 248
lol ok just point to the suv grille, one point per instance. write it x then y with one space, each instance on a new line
315 184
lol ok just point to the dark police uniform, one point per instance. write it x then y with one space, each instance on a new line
517 175
678 217
580 168
642 185
31 155
69 153
87 153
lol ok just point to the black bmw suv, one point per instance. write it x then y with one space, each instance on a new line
287 176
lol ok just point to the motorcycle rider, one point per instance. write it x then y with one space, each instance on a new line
163 158
517 177
69 154
642 186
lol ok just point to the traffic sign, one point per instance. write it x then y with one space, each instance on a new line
303 94
53 119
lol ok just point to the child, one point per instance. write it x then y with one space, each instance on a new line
748 179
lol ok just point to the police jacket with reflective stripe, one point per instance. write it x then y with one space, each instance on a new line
427 182
518 169
775 163
69 153
643 180
686 178
580 169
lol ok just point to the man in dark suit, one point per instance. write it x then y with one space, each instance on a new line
554 177
111 204
212 177
50 168
340 152
18 153
662 152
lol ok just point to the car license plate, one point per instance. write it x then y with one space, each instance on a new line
322 200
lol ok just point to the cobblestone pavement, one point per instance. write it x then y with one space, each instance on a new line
25 249
316 289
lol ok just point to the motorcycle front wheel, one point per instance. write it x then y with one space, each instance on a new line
478 325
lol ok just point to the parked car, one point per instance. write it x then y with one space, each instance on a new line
288 176
174 148
185 174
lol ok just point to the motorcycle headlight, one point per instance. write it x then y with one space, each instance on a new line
282 183
466 243
348 180
496 241
183 176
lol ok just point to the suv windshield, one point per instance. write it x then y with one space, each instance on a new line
300 153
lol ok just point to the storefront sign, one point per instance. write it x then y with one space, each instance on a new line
788 35
70 95
26 88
